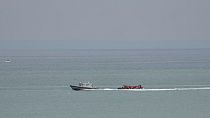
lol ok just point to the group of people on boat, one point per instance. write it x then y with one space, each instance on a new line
131 87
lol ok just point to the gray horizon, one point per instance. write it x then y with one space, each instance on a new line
98 24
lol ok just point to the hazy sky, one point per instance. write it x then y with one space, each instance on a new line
76 24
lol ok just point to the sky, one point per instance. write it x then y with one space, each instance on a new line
104 24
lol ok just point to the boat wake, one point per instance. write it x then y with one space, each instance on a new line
35 88
152 89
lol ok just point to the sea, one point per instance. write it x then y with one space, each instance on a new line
35 83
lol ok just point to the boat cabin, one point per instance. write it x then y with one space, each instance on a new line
88 84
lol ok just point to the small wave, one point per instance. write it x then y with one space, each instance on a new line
34 88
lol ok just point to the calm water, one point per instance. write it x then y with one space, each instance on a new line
35 83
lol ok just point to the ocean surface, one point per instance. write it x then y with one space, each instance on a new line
35 83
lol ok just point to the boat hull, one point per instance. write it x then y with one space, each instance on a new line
78 88
130 88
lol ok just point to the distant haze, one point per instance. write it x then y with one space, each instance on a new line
104 24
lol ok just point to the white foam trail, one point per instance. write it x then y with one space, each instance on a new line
154 89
